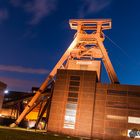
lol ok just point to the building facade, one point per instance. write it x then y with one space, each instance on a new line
81 106
2 88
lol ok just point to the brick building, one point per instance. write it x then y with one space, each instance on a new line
82 106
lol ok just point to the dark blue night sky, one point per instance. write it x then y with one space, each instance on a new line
35 33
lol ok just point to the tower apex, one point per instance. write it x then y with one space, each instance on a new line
90 24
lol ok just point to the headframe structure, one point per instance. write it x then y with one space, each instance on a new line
85 44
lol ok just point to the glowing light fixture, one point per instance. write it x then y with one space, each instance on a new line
6 91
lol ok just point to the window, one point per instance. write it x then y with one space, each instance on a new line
71 106
73 94
116 104
73 88
70 112
135 120
115 92
134 93
70 126
74 83
72 99
69 119
116 117
77 78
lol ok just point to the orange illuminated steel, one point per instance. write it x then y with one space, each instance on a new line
88 42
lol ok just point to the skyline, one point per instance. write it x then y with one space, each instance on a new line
34 35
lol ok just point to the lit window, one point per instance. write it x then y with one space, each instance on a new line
71 126
70 112
116 117
70 119
71 106
72 99
135 120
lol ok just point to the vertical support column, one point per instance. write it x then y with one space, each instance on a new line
108 65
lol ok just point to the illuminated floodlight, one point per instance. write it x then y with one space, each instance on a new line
6 91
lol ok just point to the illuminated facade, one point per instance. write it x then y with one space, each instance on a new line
85 46
81 106
116 111
73 102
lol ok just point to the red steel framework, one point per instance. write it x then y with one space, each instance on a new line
89 33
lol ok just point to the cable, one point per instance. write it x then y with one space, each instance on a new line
126 54
116 45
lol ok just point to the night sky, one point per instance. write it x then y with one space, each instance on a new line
35 33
